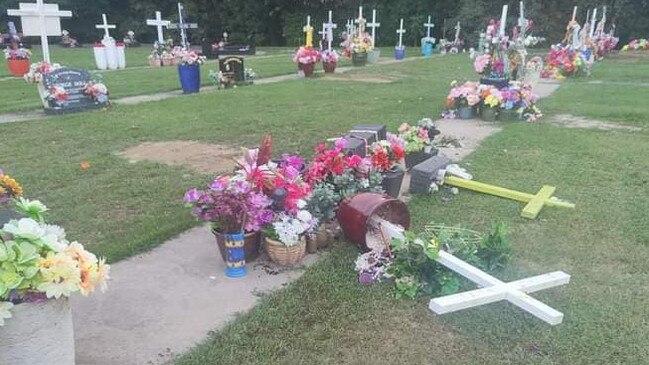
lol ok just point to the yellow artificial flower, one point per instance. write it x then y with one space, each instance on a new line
12 185
60 273
492 101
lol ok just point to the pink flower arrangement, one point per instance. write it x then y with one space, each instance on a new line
185 57
306 55
463 95
482 63
37 70
330 56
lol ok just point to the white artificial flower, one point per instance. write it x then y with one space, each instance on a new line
50 229
301 203
53 243
25 228
304 216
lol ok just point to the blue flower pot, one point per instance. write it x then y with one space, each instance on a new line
427 49
399 53
190 78
235 256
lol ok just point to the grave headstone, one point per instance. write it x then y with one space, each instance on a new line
70 84
233 68
425 173
378 129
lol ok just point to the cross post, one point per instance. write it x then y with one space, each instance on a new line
503 21
457 33
360 21
400 31
105 26
373 25
159 23
182 26
330 26
429 25
308 29
40 19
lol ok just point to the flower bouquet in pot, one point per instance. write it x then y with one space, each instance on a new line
387 158
189 69
39 270
35 76
329 60
463 100
286 236
17 60
491 101
306 57
493 69
236 211
417 141
322 203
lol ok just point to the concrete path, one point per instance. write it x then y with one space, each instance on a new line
137 99
160 303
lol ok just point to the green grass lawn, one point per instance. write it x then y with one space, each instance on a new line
120 209
138 78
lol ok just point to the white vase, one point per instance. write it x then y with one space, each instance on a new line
38 333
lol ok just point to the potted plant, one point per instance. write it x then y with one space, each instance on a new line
322 204
40 270
492 98
285 237
329 60
360 46
189 70
35 76
464 98
417 141
236 212
17 60
386 157
306 57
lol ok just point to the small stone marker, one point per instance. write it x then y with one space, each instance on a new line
73 81
40 20
159 23
425 173
233 67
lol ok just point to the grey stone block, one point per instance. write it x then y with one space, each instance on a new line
379 129
423 174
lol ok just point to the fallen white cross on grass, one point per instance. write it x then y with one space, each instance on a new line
493 290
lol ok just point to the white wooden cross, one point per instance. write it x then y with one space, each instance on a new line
330 26
574 13
105 26
182 26
429 25
400 31
360 21
323 34
40 19
523 23
592 23
503 21
494 290
159 23
457 33
373 25
602 23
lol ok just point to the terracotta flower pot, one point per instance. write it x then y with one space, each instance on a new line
38 333
251 247
18 67
307 68
285 255
356 212
329 67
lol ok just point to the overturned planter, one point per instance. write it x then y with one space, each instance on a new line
38 333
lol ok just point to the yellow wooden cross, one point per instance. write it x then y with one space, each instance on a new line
308 29
534 202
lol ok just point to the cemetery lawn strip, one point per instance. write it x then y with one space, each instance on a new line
122 209
326 317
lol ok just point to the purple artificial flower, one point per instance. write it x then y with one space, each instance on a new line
241 187
219 184
341 143
291 173
365 278
294 161
191 196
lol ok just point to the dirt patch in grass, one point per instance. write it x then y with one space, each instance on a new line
571 121
202 157
372 79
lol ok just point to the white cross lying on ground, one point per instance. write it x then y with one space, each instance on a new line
495 290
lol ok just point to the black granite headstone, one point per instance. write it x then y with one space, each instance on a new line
73 81
232 67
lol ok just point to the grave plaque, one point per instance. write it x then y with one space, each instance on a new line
232 68
64 91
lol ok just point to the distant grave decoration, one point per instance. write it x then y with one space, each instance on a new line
109 54
232 73
17 60
64 89
130 40
636 45
225 47
67 41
